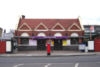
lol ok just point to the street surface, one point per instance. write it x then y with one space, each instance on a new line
69 61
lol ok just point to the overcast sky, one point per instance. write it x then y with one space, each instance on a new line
11 10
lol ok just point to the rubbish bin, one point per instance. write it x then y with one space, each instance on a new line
82 47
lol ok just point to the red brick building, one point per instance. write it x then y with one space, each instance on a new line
63 33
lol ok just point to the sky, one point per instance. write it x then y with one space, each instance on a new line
11 11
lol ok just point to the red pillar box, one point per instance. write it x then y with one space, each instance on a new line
48 47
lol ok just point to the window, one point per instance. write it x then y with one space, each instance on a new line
57 34
74 41
74 35
24 41
24 34
87 29
41 34
97 28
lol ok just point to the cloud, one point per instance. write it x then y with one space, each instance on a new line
10 10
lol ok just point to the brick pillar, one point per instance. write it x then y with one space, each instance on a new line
19 41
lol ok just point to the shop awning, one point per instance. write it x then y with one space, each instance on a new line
44 37
51 37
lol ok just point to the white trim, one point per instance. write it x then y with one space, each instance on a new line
74 30
40 30
57 30
69 29
26 25
16 26
63 29
81 23
36 29
24 30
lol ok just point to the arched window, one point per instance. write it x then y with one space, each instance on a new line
25 34
74 35
25 41
41 34
57 34
74 39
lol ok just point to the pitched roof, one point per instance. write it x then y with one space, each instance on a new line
33 23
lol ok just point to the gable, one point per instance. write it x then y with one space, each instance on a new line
74 27
41 27
24 27
59 27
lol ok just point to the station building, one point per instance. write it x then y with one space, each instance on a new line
65 34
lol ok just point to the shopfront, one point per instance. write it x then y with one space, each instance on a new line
34 33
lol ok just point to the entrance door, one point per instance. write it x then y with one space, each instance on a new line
41 44
57 44
97 45
74 40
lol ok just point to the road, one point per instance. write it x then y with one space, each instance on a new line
69 61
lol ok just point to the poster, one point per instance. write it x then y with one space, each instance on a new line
91 45
64 42
68 43
32 42
8 46
52 43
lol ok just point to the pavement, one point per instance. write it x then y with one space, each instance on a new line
44 53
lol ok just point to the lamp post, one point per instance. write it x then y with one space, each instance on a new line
90 35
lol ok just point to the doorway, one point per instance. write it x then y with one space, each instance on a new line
74 41
41 44
24 41
57 44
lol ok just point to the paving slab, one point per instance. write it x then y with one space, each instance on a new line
53 53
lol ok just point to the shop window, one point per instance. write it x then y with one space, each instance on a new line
74 41
24 41
87 29
74 38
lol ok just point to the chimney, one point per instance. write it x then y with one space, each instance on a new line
23 16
